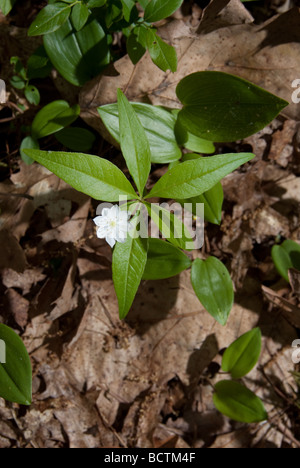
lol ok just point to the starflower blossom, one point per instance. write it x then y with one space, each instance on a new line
113 225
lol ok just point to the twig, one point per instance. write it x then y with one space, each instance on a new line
18 195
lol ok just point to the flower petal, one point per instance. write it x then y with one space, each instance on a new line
110 241
113 212
101 233
98 220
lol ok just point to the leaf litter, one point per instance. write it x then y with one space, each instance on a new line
146 381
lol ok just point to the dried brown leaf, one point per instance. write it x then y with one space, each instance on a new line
18 306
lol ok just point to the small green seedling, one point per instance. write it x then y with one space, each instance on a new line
232 398
15 368
21 81
56 118
285 257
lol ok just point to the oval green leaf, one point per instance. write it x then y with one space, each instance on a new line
238 403
129 9
192 178
135 49
38 65
92 175
79 15
194 143
164 260
73 52
76 138
50 18
53 117
15 373
17 82
32 95
162 54
213 286
6 6
242 355
223 107
96 3
286 256
28 143
157 10
190 141
158 125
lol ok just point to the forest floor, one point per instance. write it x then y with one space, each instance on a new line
146 381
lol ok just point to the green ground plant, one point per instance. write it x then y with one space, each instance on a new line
216 107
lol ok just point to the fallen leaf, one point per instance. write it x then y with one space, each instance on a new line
12 255
282 143
289 310
24 281
72 230
67 301
17 306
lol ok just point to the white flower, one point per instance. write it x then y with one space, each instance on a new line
113 225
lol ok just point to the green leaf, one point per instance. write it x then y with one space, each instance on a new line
76 138
32 95
144 3
94 176
238 403
53 117
15 373
162 54
17 82
171 227
79 15
49 19
286 256
158 125
6 6
19 68
164 260
190 141
213 286
141 31
28 143
134 144
157 10
223 107
128 6
135 49
39 65
213 202
113 13
73 52
96 3
129 261
242 355
192 178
